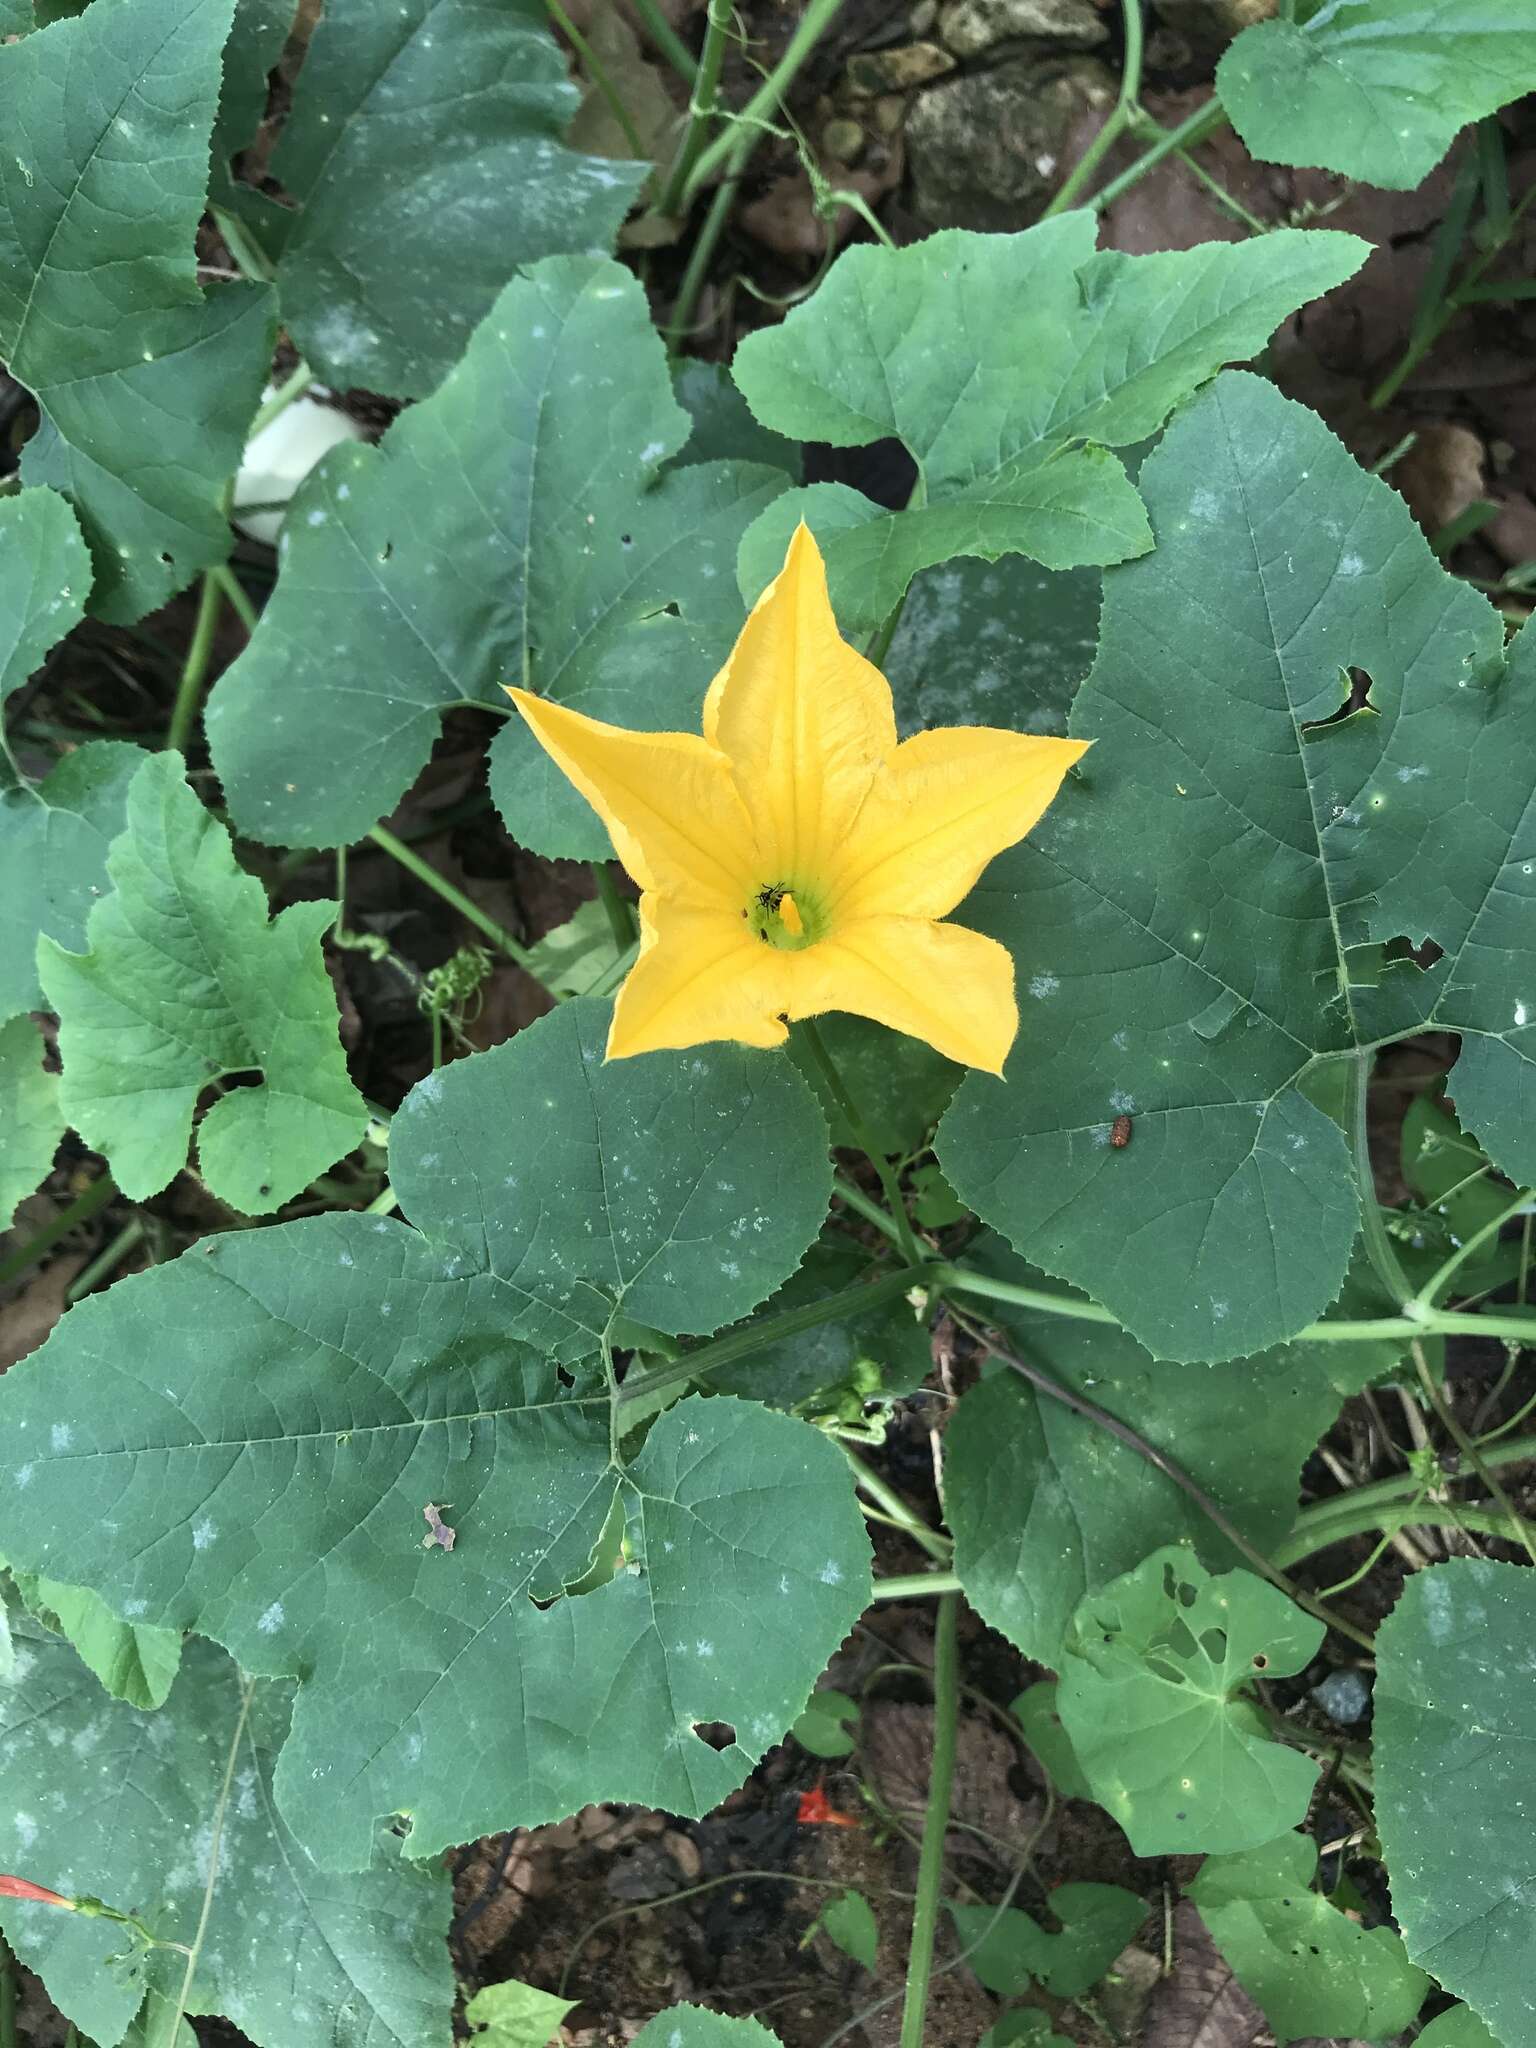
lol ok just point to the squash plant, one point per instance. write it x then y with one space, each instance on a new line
339 1540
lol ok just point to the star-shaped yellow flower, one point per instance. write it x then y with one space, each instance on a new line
796 858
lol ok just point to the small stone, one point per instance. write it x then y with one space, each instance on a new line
899 70
889 111
923 16
1344 1696
974 27
985 150
1209 25
842 141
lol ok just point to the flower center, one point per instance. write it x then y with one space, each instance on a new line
786 917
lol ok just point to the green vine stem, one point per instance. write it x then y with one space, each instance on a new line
599 77
413 864
1379 1247
930 1864
666 40
815 1045
703 251
1121 117
811 27
896 1510
194 670
85 1205
1517 1528
701 108
916 1585
1196 128
1310 1531
234 591
616 907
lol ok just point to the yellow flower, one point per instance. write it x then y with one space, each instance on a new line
795 858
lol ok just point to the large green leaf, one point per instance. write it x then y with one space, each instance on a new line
135 1664
1310 1969
1046 1506
1009 365
1197 921
1455 1736
1376 89
550 553
244 1442
185 983
146 383
677 1190
31 1122
97 1798
690 2026
45 575
1152 1697
424 156
55 836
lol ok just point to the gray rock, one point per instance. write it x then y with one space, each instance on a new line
1344 1696
899 70
1209 25
985 151
976 26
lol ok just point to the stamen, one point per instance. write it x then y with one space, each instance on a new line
789 916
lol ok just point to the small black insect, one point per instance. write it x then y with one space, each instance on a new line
1120 1133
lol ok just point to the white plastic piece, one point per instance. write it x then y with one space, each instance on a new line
277 460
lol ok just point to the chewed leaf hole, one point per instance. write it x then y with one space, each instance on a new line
1355 685
715 1734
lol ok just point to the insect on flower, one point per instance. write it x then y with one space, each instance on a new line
795 857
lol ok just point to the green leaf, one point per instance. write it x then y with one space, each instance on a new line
824 1727
146 383
880 1351
1151 1697
1309 1968
1185 920
676 1189
1025 2027
1008 365
137 1665
1046 1506
1097 1920
450 561
1458 1196
424 158
983 643
1375 89
99 1799
575 956
1460 2027
45 575
724 428
1035 1712
185 982
514 2015
690 2026
849 1923
31 1122
243 1442
55 836
256 39
900 1084
1454 1737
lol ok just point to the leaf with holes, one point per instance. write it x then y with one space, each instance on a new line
555 554
107 1801
1009 365
1047 1506
1152 1697
1376 89
424 160
146 383
1310 1968
1198 924
1454 1723
185 983
243 1443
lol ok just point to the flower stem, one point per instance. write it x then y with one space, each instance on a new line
815 1045
930 1865
413 863
619 912
1121 115
194 670
234 591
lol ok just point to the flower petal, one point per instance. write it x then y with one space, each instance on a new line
701 974
938 982
805 720
667 799
946 803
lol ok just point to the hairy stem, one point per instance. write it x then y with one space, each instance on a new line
413 863
812 26
1121 115
815 1045
930 1865
701 108
194 670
